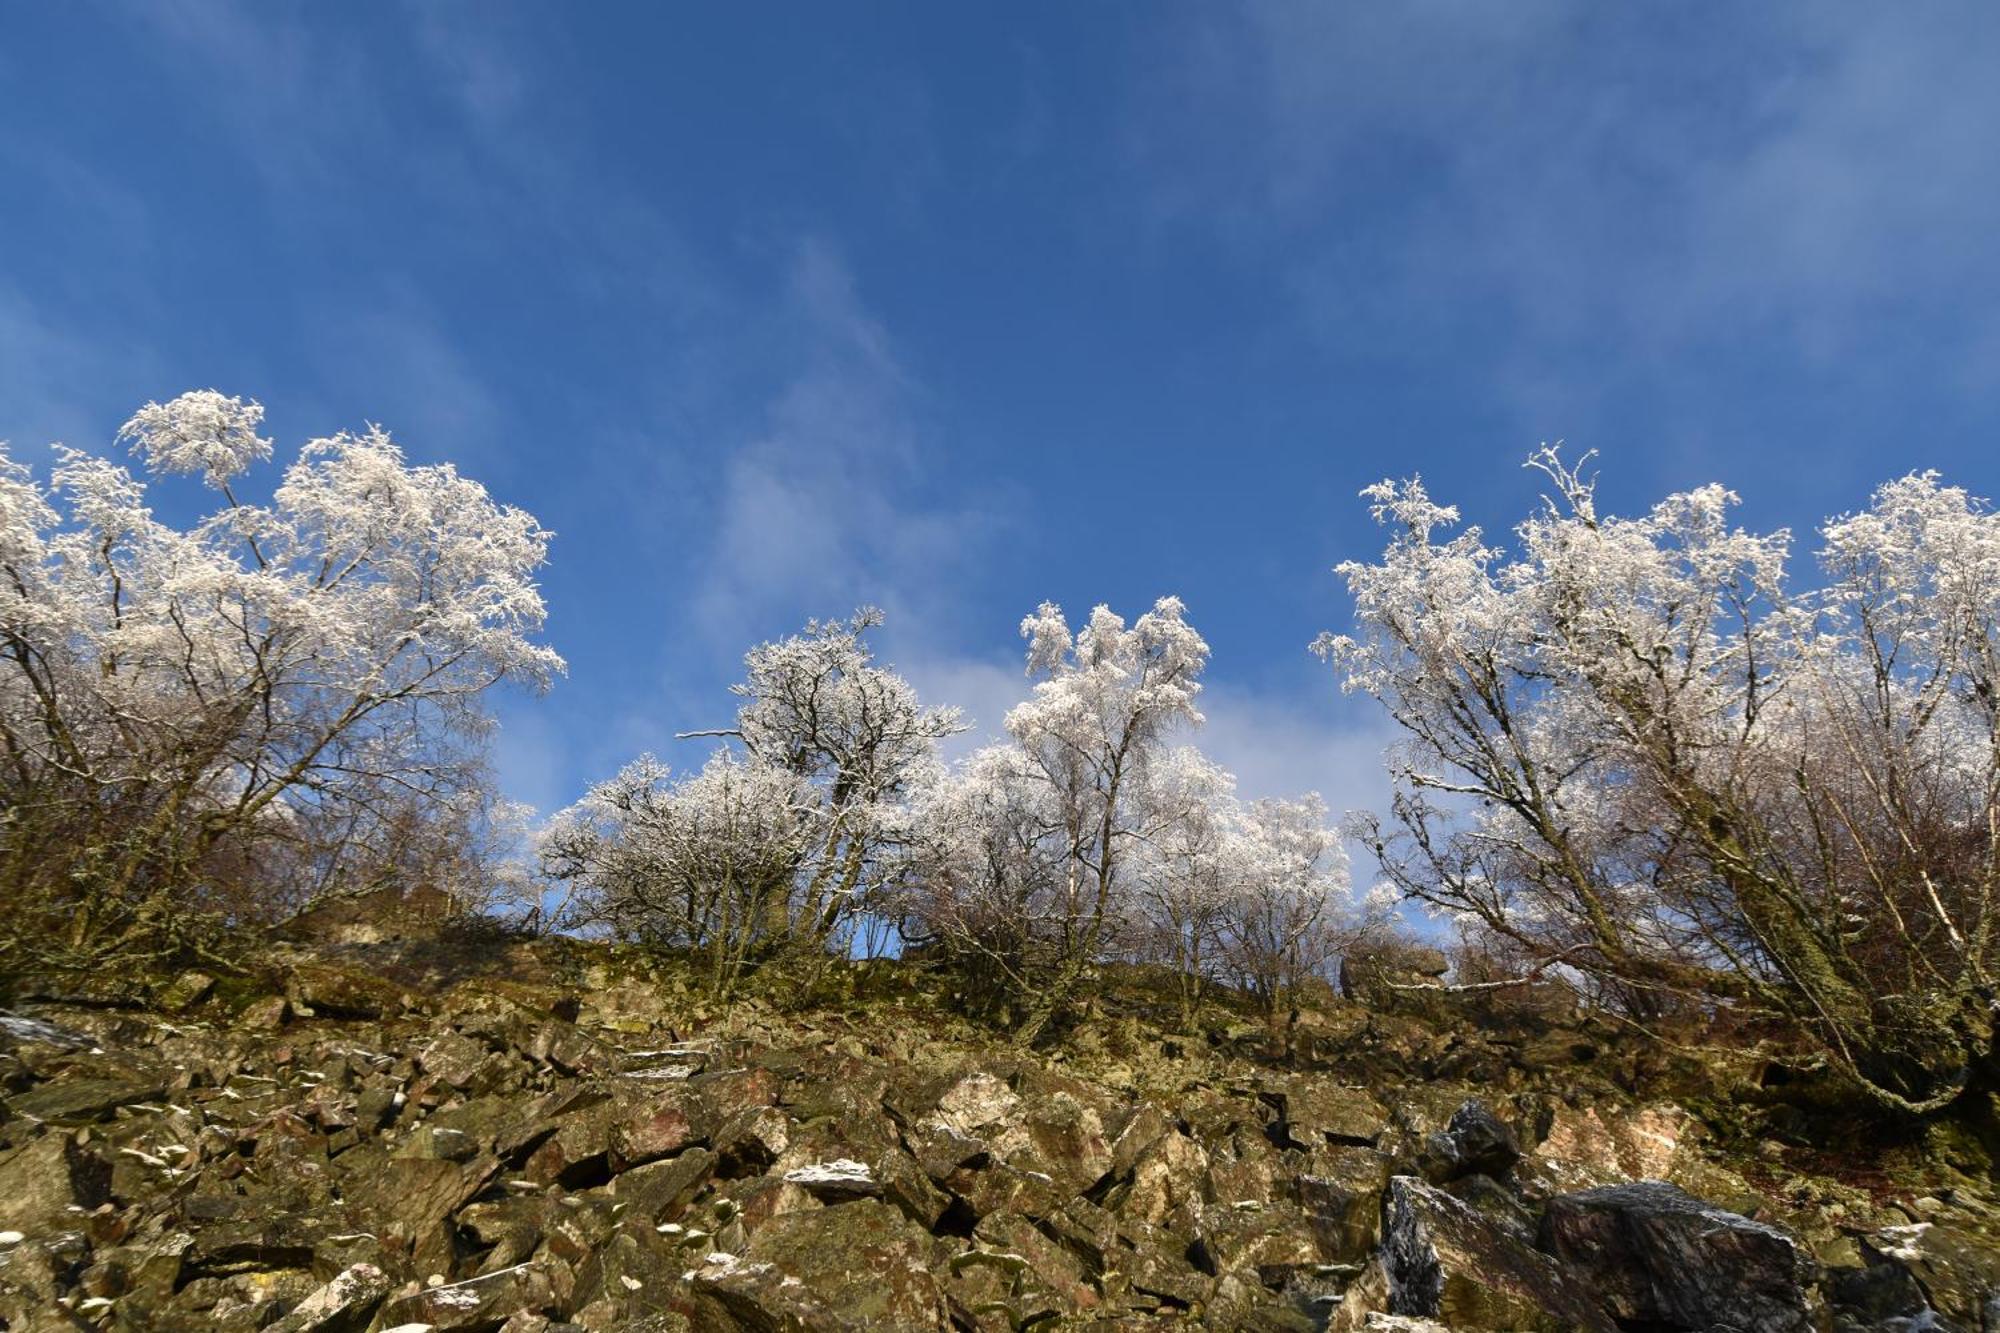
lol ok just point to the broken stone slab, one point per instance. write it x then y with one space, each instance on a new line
1313 1114
835 1181
1657 1254
344 1305
1061 1136
1262 1243
1589 1146
20 1030
1165 1176
1341 1191
483 1302
1882 1298
659 1191
658 1126
625 1273
976 1105
1958 1268
1441 1260
327 991
1475 1142
46 1182
84 1101
750 1142
453 1058
1047 1276
859 1266
184 992
410 1201
255 1243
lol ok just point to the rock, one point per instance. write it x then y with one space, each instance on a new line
1166 1175
860 1266
906 1185
975 1105
656 1127
265 1015
1475 1142
43 1181
659 1191
1341 1192
1314 1115
1265 1243
750 1141
439 1142
1881 1298
1062 1136
482 1302
1658 1255
411 1200
1592 1146
836 1181
1145 1126
1158 1267
1371 976
83 1101
1441 1260
453 1059
19 1030
626 1277
344 1305
340 992
1043 1276
184 992
1958 1269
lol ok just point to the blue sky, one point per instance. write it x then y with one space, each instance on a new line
771 311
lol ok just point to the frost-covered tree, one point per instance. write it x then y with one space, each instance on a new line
1027 883
787 837
1289 911
173 700
815 705
1188 871
707 864
1635 753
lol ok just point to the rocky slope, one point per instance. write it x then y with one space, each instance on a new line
561 1143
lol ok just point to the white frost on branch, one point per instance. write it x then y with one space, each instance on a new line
201 432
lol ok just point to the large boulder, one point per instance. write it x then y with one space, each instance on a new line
1476 1142
856 1266
344 1305
87 1100
1313 1114
1956 1266
1589 1145
478 1303
1660 1257
41 1182
1441 1259
1382 977
1341 1191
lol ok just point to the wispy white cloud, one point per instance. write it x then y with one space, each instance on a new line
394 355
1629 182
1286 745
55 380
828 505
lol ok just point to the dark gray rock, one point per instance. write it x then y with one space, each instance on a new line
1440 1259
20 1030
1476 1142
1658 1255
